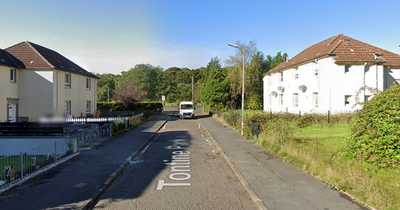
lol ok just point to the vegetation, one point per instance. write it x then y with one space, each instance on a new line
294 139
149 83
375 131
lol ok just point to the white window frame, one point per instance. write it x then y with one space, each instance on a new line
296 99
315 100
88 105
281 76
67 107
88 83
346 100
346 69
68 80
13 75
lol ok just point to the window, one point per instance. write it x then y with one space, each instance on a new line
13 75
67 108
295 99
281 99
67 80
316 72
366 98
315 100
88 84
346 99
346 69
281 76
269 99
88 107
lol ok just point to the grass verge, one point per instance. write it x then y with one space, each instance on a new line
377 187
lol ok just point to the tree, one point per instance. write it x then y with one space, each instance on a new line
106 86
215 90
148 79
234 69
128 92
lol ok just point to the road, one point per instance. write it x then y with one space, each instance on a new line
180 169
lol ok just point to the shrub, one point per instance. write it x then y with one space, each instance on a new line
375 129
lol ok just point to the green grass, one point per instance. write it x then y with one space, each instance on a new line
15 161
377 187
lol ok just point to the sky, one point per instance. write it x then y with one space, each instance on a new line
114 36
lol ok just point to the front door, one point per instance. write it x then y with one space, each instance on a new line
12 113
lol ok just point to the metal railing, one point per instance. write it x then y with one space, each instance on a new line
16 167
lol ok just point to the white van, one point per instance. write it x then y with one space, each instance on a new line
186 110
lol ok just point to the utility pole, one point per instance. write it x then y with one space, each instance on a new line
192 88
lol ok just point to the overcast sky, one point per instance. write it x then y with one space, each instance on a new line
113 36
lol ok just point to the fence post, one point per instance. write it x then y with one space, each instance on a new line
55 151
360 153
75 145
22 166
329 114
316 146
291 138
270 114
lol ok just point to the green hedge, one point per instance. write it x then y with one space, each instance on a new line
118 106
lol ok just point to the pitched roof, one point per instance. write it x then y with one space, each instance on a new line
343 49
6 59
34 56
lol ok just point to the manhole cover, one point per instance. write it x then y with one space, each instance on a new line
80 185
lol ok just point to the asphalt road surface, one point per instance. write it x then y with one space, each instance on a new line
180 169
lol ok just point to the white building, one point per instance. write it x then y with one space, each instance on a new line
328 76
36 81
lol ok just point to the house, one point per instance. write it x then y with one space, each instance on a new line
37 81
330 76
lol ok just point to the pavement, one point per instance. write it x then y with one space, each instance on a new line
76 183
270 182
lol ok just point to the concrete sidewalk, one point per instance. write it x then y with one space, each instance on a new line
76 183
272 183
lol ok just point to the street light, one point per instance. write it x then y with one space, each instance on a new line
242 49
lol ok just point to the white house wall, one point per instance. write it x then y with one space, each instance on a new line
36 91
331 85
7 90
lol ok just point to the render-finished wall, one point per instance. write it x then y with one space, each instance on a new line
33 145
326 81
77 94
7 90
36 94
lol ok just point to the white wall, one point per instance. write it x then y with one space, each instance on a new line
331 85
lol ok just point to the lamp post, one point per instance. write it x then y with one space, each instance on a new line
242 49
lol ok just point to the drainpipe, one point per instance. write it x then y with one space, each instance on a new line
376 69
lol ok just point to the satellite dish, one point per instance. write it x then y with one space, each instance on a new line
274 93
280 88
303 88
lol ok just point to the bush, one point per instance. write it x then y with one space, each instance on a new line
119 106
375 129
